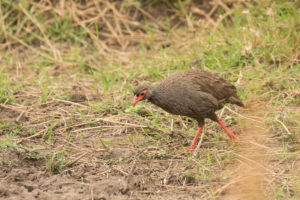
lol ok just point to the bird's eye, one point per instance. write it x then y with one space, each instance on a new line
142 93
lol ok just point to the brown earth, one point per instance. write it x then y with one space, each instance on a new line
23 179
109 161
114 159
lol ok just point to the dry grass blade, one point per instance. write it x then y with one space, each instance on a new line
69 164
32 136
97 42
100 127
19 117
42 29
223 5
232 111
31 47
163 26
200 12
70 102
283 125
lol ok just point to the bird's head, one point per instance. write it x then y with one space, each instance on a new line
142 92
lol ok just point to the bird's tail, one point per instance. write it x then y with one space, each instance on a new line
236 100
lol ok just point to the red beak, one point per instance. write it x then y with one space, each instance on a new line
136 99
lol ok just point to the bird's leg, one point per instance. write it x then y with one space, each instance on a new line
195 140
229 132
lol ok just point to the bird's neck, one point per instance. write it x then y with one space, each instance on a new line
154 95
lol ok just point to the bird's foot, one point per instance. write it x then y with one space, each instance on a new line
190 149
228 132
232 136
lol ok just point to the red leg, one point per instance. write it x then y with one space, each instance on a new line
229 132
195 140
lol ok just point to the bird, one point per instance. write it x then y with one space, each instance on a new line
194 93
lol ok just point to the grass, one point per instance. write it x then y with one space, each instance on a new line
56 161
260 44
5 91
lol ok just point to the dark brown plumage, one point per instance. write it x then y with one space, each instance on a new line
193 93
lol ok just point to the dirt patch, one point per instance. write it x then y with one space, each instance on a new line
31 183
9 115
58 153
248 175
144 179
77 148
66 155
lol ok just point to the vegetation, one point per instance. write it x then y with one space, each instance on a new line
67 75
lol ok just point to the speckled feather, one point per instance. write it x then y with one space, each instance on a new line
193 93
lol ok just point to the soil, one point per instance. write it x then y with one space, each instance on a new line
21 179
118 169
91 168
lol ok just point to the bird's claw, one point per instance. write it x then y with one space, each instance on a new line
232 136
190 149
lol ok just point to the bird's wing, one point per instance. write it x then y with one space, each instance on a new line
177 97
213 84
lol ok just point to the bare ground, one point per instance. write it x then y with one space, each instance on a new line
115 158
109 160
